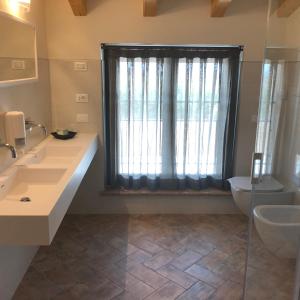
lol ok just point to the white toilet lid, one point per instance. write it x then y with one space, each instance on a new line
268 184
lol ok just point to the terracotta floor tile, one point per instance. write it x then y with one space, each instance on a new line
43 263
199 291
195 244
213 259
267 284
105 290
171 243
138 256
232 245
228 291
148 276
169 291
140 289
122 245
61 276
35 286
205 275
181 278
186 259
236 259
148 246
105 260
127 296
230 272
159 260
68 247
128 282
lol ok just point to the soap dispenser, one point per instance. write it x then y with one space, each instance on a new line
15 128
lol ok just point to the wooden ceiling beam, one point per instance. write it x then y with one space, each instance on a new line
219 7
149 8
78 7
287 7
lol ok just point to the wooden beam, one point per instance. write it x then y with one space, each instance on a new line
287 7
78 7
219 7
150 8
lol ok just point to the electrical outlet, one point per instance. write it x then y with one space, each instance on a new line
82 118
82 98
18 64
80 66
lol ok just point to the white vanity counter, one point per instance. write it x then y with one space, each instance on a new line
48 176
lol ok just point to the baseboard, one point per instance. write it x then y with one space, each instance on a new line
147 204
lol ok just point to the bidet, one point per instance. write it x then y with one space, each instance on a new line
279 228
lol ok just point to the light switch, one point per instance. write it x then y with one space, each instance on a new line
82 98
82 118
18 64
80 66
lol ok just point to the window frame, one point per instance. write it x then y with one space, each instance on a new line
234 105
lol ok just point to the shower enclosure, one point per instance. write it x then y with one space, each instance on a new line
273 245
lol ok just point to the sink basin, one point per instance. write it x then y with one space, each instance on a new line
279 228
37 190
54 155
29 184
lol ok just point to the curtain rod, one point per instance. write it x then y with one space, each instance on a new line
137 46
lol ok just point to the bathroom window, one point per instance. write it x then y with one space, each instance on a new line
170 115
273 91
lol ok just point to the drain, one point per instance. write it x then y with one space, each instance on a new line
25 199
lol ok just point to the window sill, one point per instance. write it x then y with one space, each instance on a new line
207 192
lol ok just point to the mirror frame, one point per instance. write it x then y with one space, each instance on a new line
12 82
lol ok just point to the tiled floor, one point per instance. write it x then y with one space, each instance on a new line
268 276
141 257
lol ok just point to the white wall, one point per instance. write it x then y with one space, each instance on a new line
178 22
119 21
34 100
290 144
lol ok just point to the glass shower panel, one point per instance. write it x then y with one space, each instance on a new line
274 223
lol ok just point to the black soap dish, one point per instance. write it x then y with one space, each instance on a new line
64 134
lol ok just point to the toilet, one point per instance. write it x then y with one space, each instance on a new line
268 191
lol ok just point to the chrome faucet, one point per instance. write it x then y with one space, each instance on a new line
31 124
11 148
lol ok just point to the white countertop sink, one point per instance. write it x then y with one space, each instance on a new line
26 182
36 192
53 155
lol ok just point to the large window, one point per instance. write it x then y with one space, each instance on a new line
170 115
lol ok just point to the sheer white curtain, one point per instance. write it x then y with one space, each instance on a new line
202 97
139 117
171 118
272 94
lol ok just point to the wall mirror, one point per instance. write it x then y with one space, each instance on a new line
18 54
